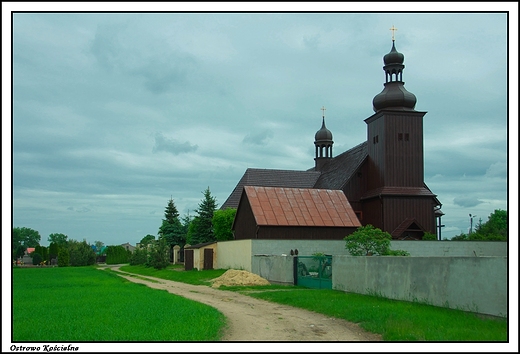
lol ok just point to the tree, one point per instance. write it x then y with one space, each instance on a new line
59 239
495 229
171 228
80 253
117 255
36 258
159 255
203 229
26 237
63 257
145 241
53 251
139 256
368 240
222 222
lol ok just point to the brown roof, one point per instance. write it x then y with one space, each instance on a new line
271 178
275 206
336 172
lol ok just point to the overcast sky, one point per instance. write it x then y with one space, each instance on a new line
114 113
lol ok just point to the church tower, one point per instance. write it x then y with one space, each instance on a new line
397 200
323 143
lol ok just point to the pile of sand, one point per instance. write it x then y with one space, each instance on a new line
234 277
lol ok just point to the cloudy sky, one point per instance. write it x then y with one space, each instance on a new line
114 113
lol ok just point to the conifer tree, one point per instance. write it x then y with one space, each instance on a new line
202 230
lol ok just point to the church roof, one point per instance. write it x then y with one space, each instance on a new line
336 172
273 206
271 178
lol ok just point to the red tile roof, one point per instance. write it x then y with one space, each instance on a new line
276 206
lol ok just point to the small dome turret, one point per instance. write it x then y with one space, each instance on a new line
323 134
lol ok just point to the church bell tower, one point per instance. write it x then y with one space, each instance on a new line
323 143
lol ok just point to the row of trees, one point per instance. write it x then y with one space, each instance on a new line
66 252
208 225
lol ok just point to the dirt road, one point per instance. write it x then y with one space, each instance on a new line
251 319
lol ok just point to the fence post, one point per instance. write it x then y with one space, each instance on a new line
295 270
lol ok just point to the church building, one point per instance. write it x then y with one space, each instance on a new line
382 178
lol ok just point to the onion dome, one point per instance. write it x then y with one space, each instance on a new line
323 134
394 95
394 57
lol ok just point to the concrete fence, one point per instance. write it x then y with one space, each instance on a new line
476 284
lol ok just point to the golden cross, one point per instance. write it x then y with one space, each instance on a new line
323 109
393 29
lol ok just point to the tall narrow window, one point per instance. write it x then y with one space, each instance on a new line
406 137
400 136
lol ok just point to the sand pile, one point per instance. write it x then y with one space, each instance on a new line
234 277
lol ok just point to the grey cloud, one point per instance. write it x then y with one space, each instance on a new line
79 210
172 146
260 138
466 201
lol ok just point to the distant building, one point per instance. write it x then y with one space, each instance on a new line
382 178
128 247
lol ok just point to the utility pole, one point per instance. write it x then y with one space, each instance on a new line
471 223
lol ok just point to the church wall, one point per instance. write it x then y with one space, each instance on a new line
397 209
372 213
304 232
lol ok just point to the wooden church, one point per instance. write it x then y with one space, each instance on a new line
381 178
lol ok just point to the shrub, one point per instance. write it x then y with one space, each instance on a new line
368 240
117 255
396 253
63 257
139 256
429 237
36 258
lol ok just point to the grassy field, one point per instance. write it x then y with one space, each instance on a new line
394 320
88 304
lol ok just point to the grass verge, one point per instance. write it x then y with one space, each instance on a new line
87 304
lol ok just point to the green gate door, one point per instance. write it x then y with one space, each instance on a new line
314 271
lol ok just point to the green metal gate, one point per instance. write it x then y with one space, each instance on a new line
313 271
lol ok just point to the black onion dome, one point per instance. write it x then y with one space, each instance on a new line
394 57
394 96
323 134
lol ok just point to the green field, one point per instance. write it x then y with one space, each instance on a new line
88 304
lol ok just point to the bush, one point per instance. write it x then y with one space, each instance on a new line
63 257
368 240
117 255
396 253
429 237
36 258
139 256
81 253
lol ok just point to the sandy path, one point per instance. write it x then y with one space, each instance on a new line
251 319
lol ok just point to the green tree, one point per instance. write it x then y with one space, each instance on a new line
63 257
117 255
368 240
26 237
36 258
59 239
159 254
203 229
222 224
148 239
53 251
495 229
428 236
80 253
171 228
139 256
